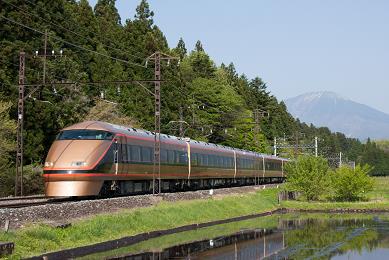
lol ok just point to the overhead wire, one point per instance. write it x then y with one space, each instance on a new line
72 44
68 30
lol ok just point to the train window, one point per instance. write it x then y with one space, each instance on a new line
128 153
216 161
183 158
220 161
170 156
84 134
210 160
164 155
124 153
135 153
177 157
213 160
193 159
205 159
200 160
146 154
251 164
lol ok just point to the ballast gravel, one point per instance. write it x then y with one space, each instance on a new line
63 213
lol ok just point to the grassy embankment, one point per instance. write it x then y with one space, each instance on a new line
378 199
37 239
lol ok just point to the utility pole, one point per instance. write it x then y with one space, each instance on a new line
157 57
275 146
297 145
44 56
340 159
181 129
157 120
19 138
258 114
44 62
316 146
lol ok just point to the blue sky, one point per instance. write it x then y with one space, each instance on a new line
296 46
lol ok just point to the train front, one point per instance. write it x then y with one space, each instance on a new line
73 166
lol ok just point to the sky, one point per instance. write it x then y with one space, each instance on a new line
295 46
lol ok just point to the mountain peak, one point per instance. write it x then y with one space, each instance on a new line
329 109
320 94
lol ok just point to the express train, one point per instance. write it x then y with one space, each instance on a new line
96 158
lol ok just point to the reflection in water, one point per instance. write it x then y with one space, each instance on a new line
243 245
290 237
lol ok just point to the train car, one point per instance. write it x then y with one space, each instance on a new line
96 158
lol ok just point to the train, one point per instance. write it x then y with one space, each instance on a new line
94 158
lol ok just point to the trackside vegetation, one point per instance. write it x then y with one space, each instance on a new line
313 178
37 239
40 238
308 175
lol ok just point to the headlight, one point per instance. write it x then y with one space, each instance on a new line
78 164
49 164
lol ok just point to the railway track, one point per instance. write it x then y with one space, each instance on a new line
22 202
29 201
22 198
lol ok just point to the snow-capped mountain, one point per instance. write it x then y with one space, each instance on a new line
340 115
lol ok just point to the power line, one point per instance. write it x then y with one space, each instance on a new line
72 44
68 30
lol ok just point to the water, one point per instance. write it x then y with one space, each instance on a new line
299 236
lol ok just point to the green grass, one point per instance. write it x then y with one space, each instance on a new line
381 189
38 239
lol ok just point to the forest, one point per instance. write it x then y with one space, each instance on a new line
214 103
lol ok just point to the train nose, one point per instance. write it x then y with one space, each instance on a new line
66 164
75 154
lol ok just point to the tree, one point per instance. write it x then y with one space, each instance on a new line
199 46
180 49
108 112
308 175
7 135
143 13
349 184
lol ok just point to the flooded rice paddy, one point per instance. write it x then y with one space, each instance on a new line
284 236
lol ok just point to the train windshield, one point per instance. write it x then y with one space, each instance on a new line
84 135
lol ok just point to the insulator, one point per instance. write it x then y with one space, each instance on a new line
52 52
36 53
119 90
60 52
146 63
168 62
102 94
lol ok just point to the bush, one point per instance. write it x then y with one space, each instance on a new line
308 175
32 181
349 184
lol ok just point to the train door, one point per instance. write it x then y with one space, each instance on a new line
116 156
122 154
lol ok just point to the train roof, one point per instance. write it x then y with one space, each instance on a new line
98 125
